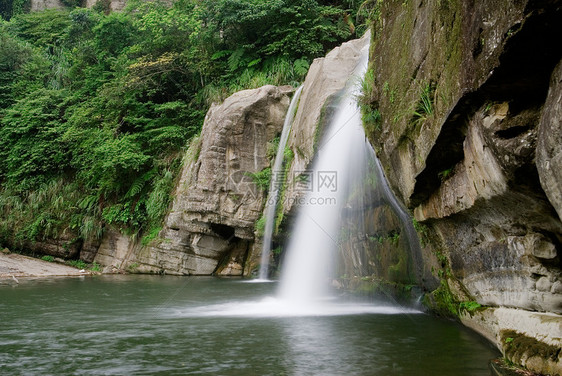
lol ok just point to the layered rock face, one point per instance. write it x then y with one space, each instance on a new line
470 101
210 228
39 5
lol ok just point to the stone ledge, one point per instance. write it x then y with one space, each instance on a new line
544 330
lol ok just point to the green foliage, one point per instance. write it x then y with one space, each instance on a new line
443 175
151 235
96 108
72 3
32 149
424 107
445 302
272 147
470 307
370 10
372 120
395 238
288 156
277 251
9 8
132 268
15 57
48 258
102 6
422 230
370 113
44 29
260 225
79 264
262 178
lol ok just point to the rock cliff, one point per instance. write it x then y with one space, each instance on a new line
467 97
210 227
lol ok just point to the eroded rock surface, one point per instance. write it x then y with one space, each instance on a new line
470 100
210 228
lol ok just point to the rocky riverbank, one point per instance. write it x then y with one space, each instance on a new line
14 266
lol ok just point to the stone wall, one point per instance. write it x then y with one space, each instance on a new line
39 5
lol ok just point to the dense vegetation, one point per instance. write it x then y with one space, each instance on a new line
95 107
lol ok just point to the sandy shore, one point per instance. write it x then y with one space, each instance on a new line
15 265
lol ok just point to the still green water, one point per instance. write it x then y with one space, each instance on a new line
151 325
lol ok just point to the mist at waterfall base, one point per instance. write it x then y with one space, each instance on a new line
167 325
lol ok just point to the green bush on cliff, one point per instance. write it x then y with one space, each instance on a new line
96 109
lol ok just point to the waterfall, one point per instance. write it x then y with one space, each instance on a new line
339 166
275 186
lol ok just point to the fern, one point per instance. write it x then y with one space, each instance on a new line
220 54
262 178
140 183
301 67
88 202
254 62
235 59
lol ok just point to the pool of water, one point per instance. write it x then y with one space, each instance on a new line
153 325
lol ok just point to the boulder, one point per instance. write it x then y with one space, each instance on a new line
210 226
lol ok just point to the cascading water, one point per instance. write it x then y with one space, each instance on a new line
346 180
274 187
340 163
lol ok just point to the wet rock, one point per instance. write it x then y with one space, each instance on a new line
543 284
66 246
530 339
113 250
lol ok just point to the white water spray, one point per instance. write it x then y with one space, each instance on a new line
275 187
339 165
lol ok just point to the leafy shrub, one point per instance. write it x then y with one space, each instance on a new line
95 108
